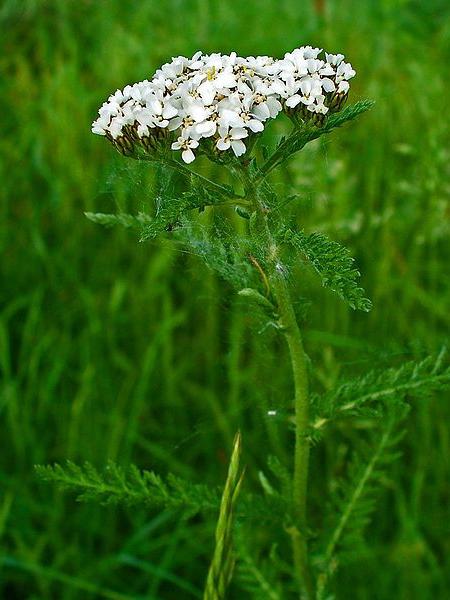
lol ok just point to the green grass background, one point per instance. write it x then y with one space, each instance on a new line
110 349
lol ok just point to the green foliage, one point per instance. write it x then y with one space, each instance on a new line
207 192
129 486
258 579
222 563
370 393
171 211
300 136
333 263
169 215
123 219
353 498
256 297
222 251
102 348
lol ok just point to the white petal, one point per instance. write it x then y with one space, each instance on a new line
230 118
223 131
327 70
207 91
274 106
188 156
206 129
261 111
98 129
223 144
306 86
198 112
328 85
156 106
293 101
226 80
142 130
277 86
169 111
238 147
255 125
238 133
175 123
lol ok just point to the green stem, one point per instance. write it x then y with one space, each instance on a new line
299 363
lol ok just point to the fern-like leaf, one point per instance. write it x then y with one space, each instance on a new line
353 500
129 486
254 580
301 136
366 395
222 252
123 219
333 263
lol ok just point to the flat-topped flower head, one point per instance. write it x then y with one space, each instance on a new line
224 98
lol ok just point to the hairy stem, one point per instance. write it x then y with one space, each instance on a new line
299 364
299 361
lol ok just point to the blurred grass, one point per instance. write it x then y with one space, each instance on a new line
114 350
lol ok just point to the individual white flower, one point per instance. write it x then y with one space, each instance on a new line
314 65
344 72
294 64
334 59
173 69
208 127
310 52
186 145
115 127
234 113
250 122
215 82
327 84
232 138
318 106
100 126
262 104
261 66
343 87
286 89
310 89
190 113
163 112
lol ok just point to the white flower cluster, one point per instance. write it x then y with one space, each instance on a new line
222 98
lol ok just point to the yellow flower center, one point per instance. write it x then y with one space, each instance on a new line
211 73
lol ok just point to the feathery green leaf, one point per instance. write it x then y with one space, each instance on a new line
333 263
123 219
365 395
301 136
129 486
353 499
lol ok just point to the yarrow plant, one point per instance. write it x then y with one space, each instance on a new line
219 106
